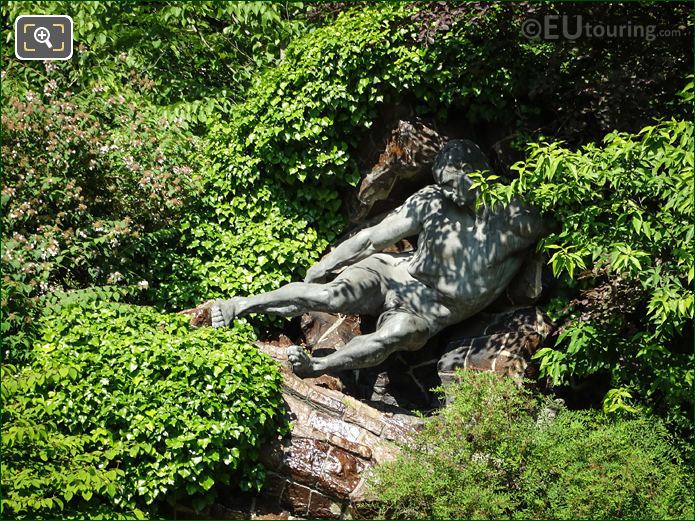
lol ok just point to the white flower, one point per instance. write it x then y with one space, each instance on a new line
116 276
143 284
50 87
51 250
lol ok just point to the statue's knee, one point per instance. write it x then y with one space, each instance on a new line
408 332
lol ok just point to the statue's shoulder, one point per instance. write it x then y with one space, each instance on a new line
425 200
428 194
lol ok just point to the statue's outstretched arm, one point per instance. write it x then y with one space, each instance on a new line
403 222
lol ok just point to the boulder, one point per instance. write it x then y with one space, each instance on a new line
501 342
327 331
405 163
318 471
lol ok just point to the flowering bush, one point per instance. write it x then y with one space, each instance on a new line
90 182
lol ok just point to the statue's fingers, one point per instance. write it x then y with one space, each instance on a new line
216 317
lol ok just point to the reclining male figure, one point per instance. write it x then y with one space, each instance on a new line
464 260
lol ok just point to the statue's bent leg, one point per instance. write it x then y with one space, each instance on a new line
354 291
398 331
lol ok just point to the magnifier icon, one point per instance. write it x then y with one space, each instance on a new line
42 35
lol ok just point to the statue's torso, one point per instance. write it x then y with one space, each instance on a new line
468 258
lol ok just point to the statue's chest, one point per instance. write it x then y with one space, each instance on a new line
448 236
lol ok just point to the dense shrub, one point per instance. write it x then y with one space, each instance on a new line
626 208
496 451
124 406
593 466
304 117
253 240
100 161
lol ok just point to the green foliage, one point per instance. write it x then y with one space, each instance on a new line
124 405
626 209
193 59
252 241
304 115
496 451
588 465
102 163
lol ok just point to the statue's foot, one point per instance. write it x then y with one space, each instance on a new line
223 312
302 364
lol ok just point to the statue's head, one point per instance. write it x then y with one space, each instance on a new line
456 159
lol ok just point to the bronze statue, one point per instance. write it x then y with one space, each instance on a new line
465 258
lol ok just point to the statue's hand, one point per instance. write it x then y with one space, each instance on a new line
316 274
223 312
